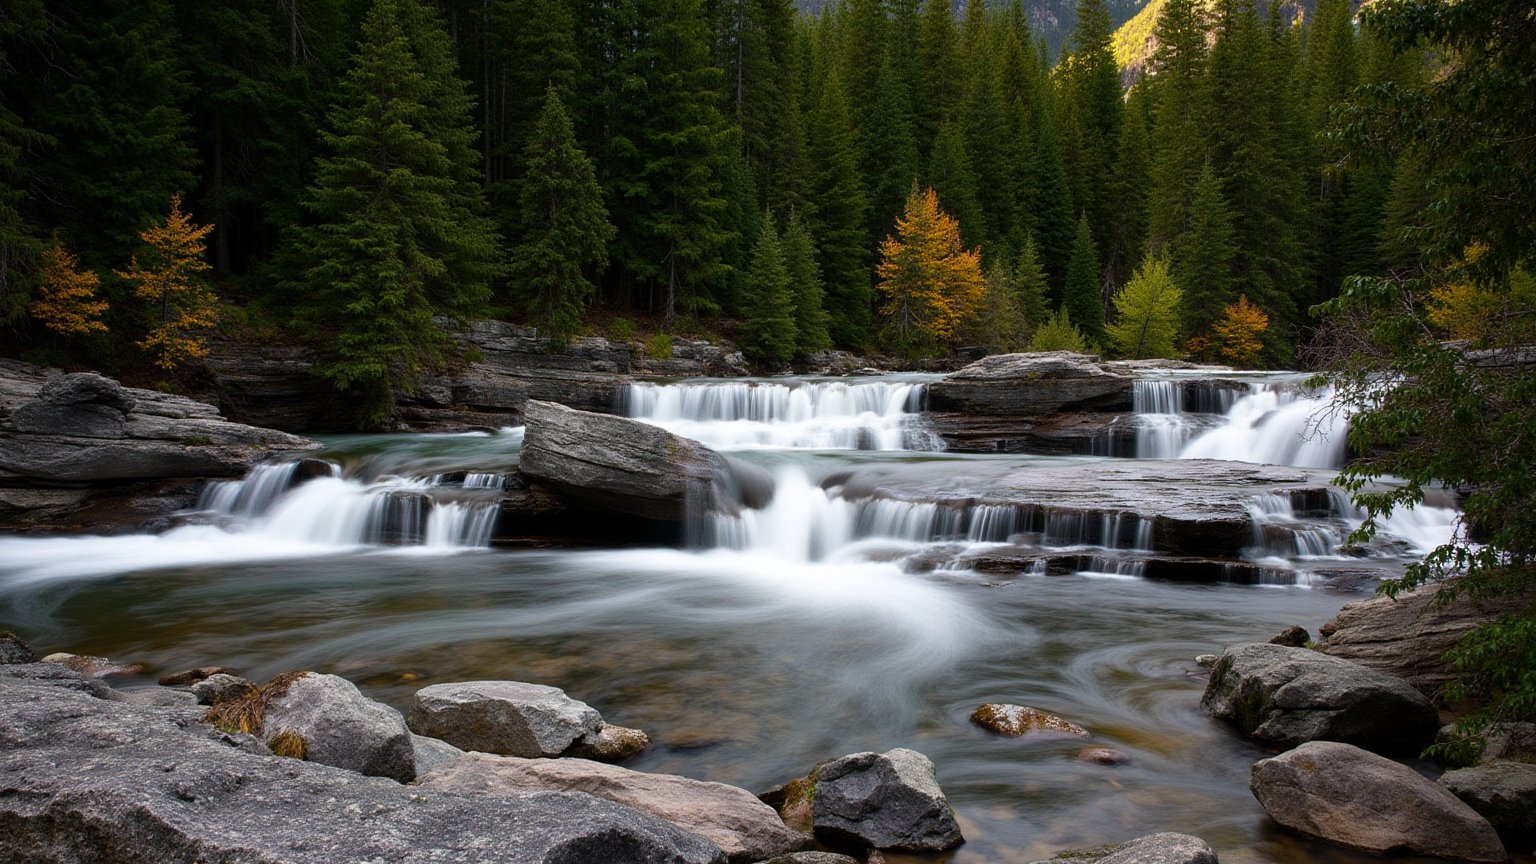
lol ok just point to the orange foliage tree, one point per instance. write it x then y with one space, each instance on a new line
931 284
67 303
1239 333
176 279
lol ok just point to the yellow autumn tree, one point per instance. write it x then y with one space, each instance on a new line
66 297
1238 335
931 285
175 279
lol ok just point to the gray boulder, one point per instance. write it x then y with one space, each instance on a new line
338 726
85 405
1032 385
1287 696
432 754
616 464
885 800
509 718
14 650
731 818
811 858
1345 795
1164 848
60 676
1503 792
161 696
82 779
221 687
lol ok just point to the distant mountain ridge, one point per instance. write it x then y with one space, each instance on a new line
1134 41
1053 19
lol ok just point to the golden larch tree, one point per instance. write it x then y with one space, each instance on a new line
66 300
1238 335
175 279
932 285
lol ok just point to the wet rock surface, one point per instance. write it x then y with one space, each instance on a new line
509 718
1287 696
888 800
744 827
86 779
1021 720
1346 795
616 464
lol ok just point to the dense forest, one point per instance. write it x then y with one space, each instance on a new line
882 175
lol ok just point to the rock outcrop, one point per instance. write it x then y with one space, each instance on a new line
1053 402
1345 795
14 650
617 465
1503 792
86 779
81 449
888 800
327 720
508 718
744 827
1288 696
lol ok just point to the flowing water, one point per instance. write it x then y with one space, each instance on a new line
821 624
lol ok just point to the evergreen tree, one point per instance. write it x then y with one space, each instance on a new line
768 335
1001 326
1147 313
564 226
949 173
390 242
805 284
1029 280
889 147
1080 297
941 84
839 216
1058 333
1127 194
1095 105
1180 93
761 73
1204 255
18 242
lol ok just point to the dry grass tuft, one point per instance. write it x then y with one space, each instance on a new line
246 713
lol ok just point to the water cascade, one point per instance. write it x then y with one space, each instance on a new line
1273 421
858 414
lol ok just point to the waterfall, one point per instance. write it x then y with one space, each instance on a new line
821 415
1273 422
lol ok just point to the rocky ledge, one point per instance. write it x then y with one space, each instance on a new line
83 451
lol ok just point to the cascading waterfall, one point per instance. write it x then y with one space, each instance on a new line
825 415
1268 422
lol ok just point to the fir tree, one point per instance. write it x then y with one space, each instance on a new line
1029 280
564 226
1180 93
391 241
839 216
949 173
805 284
1001 326
1127 230
18 242
941 84
889 147
1203 257
768 335
1058 333
173 276
1095 107
1147 313
1080 297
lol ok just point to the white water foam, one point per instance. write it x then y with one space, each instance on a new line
822 415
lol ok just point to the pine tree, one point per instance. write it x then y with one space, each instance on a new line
768 335
1204 255
1058 333
761 75
393 239
25 22
1080 297
950 175
1029 280
805 284
1001 326
1180 93
839 216
1147 313
67 302
563 225
941 84
1127 230
1094 110
174 277
889 147
932 285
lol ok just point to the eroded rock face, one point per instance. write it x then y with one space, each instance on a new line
1345 795
341 727
86 779
888 800
1032 385
1503 792
1288 696
616 464
509 718
744 827
1020 720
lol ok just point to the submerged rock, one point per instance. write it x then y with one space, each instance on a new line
610 743
508 718
1288 696
86 779
1102 756
1165 848
1503 792
189 677
744 827
325 719
615 464
1019 720
888 800
1345 795
95 667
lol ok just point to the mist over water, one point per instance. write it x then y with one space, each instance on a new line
821 624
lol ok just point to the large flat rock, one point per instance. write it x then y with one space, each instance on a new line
84 779
1033 385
